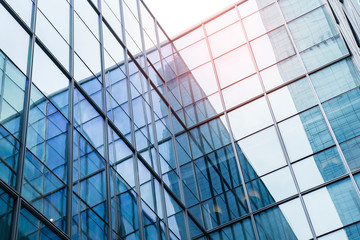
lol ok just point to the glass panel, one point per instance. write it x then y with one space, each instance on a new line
189 38
270 156
292 99
287 221
58 13
234 66
305 134
85 40
336 79
31 228
88 121
343 114
282 72
12 94
6 206
124 206
322 167
351 150
226 39
195 54
23 8
88 15
249 88
351 232
47 135
9 152
240 230
17 52
250 118
272 47
44 191
205 77
52 39
324 53
86 224
50 80
333 206
271 188
251 6
221 21
294 8
262 21
312 28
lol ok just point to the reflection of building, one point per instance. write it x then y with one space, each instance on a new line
244 127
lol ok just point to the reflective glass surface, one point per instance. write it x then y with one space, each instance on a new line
246 126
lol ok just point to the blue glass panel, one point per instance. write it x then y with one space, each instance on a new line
284 222
31 228
47 134
86 223
343 113
9 150
124 206
324 53
333 207
351 150
88 121
44 191
6 207
12 88
336 79
312 28
240 230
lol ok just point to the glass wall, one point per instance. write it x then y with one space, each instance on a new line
245 127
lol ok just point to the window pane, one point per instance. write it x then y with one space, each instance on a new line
288 221
294 8
312 28
305 134
336 79
58 12
263 21
50 80
322 167
249 87
333 206
12 94
292 99
17 52
272 48
250 118
343 114
195 54
44 190
226 39
270 157
31 228
234 66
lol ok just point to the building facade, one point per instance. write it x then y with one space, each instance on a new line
247 126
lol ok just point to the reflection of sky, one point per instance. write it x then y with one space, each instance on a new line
174 22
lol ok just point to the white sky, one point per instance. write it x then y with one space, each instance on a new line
176 16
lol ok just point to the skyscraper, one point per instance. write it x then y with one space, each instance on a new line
244 127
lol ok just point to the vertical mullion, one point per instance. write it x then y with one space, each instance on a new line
105 125
69 198
24 122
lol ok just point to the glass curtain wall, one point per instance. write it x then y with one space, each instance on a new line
245 127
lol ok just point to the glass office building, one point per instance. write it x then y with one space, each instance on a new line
247 126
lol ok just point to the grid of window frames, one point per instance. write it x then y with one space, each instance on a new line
244 128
